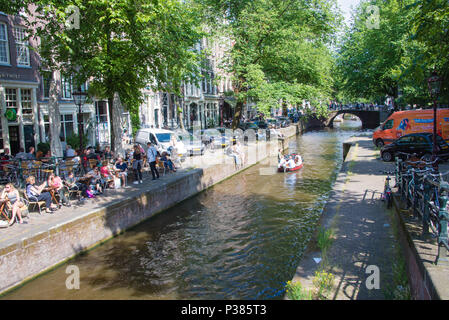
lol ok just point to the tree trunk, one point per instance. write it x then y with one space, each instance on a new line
180 112
111 121
237 115
115 114
54 119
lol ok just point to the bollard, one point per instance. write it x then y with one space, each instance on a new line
443 218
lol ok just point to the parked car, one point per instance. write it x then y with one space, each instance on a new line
214 138
260 134
285 122
420 144
161 139
273 123
193 144
234 134
261 124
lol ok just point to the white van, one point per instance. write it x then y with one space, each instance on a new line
160 138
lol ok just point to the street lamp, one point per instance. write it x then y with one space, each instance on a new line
79 98
434 84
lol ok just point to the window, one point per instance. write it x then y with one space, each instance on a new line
4 49
27 109
421 140
46 78
66 126
389 124
22 46
66 87
47 127
11 100
404 140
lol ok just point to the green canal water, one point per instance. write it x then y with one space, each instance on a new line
241 239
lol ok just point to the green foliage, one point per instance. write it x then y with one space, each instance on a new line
280 53
295 291
324 239
121 45
74 141
397 58
323 282
43 146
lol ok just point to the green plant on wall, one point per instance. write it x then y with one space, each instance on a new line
44 147
323 282
211 123
295 291
74 141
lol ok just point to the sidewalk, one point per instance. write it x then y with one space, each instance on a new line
362 227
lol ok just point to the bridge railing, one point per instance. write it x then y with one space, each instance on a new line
360 108
425 191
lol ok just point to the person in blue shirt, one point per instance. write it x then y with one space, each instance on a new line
123 167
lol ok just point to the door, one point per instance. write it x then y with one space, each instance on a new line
156 118
14 139
28 132
387 132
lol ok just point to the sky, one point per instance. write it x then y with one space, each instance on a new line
345 6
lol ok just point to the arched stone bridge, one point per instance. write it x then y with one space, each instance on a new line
370 118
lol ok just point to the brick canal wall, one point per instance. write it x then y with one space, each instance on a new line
34 254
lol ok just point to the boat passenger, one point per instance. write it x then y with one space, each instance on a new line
282 162
298 160
291 163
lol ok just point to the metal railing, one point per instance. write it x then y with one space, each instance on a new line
16 171
423 189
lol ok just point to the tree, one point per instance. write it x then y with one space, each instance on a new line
276 44
396 57
120 46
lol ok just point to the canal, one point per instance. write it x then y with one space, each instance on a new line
241 239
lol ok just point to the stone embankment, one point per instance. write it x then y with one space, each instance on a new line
51 239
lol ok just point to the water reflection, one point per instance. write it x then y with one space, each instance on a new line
241 239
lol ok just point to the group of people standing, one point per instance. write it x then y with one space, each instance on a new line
152 156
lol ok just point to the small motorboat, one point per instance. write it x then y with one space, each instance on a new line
282 169
298 167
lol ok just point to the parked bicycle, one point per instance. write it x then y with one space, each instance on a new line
387 195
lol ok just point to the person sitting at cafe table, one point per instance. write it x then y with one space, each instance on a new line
106 174
35 193
70 152
122 168
107 153
12 195
167 161
96 180
55 182
73 183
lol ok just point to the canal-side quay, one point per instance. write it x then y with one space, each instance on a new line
50 240
369 240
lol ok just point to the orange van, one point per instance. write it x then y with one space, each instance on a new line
411 121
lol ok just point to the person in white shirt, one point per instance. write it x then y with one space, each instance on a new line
151 158
291 163
282 163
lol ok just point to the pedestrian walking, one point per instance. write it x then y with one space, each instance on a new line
137 164
151 157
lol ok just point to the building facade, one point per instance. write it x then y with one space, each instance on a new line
24 95
204 105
